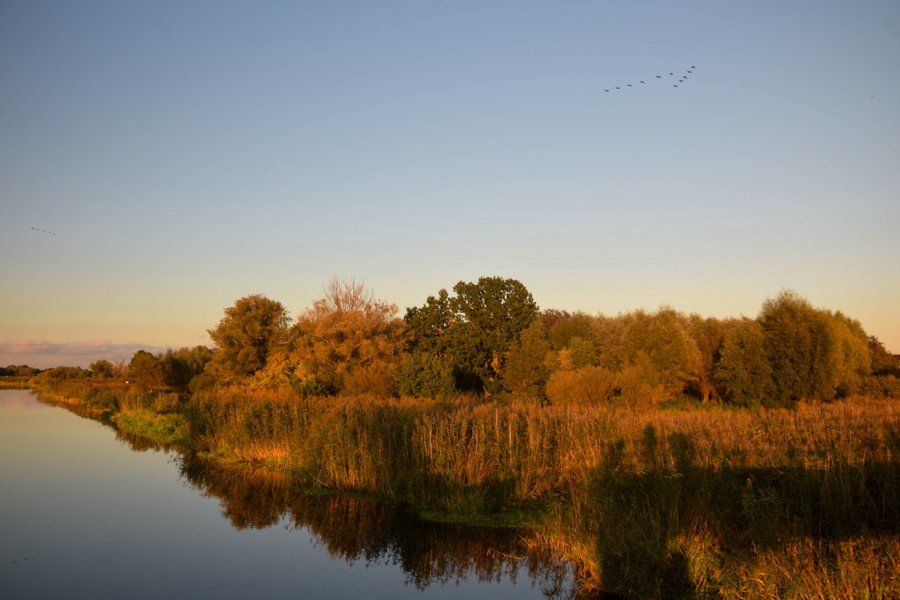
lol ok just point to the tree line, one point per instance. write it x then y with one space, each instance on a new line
490 338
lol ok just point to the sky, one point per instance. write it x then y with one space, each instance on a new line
160 160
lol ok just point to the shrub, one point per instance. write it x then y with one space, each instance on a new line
587 385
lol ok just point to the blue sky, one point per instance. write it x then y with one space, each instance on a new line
185 154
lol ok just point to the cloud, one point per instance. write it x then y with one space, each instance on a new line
42 354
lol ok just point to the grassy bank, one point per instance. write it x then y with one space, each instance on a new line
801 502
164 429
13 383
707 501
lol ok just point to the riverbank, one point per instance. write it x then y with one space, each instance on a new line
799 502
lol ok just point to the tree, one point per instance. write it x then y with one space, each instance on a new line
566 326
883 362
430 325
526 369
424 374
349 342
743 372
708 334
660 346
102 369
145 371
247 334
854 358
474 329
801 348
181 366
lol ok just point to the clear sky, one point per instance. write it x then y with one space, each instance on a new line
160 160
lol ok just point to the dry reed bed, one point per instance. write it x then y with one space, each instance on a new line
384 445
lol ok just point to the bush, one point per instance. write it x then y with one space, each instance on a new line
588 385
426 375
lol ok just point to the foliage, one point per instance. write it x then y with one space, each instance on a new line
743 371
181 366
719 501
250 330
564 327
882 361
424 374
708 334
660 347
590 385
145 371
349 342
62 373
526 369
474 329
813 353
103 369
160 428
18 371
854 362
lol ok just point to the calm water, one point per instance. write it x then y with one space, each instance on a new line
85 513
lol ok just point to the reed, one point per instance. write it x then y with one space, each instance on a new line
645 503
525 452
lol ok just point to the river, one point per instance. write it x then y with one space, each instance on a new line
86 513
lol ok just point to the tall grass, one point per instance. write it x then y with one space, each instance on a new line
409 446
649 504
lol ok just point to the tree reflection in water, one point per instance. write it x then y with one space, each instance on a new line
360 530
354 529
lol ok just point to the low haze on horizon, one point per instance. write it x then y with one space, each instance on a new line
160 160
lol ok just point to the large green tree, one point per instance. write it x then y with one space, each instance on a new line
247 334
814 354
474 329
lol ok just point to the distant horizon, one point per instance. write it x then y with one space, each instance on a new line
45 354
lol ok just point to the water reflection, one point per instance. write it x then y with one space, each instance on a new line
359 530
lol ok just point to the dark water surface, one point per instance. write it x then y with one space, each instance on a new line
85 513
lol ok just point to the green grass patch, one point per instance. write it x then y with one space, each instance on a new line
161 428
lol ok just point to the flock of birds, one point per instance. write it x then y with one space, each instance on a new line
42 231
682 78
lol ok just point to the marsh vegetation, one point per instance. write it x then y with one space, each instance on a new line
658 454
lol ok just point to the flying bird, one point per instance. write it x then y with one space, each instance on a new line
682 78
